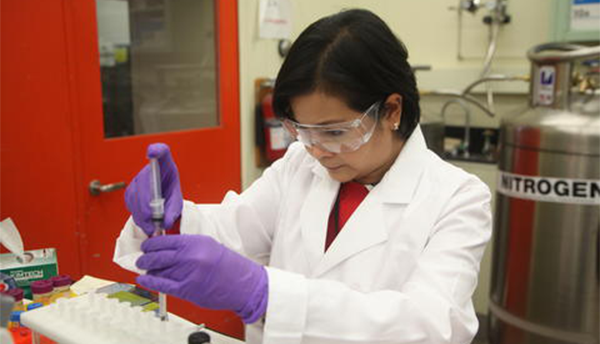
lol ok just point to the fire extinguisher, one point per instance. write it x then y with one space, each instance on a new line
274 139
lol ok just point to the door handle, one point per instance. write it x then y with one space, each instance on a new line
96 188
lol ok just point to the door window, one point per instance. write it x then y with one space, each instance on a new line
158 65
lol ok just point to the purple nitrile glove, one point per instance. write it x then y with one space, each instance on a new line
139 192
201 270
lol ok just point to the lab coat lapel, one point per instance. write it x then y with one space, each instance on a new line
315 214
364 228
367 226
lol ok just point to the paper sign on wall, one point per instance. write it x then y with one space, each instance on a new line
275 19
585 15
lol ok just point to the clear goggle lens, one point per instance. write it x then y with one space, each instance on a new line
337 138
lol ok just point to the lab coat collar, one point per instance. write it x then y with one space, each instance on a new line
398 185
366 227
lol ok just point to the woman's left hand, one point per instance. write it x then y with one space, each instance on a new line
201 270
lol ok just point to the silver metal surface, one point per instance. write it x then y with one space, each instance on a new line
545 263
96 187
561 52
573 131
546 257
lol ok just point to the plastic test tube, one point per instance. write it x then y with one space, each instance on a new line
158 215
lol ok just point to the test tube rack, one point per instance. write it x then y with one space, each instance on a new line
96 319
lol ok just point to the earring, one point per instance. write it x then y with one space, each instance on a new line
396 125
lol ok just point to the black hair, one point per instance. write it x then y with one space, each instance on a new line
352 55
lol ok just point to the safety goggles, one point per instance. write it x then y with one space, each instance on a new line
338 137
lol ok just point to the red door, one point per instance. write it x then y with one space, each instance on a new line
172 84
128 73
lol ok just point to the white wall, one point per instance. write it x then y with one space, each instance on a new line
429 30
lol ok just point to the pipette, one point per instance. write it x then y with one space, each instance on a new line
158 215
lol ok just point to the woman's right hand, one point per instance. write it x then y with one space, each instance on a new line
139 192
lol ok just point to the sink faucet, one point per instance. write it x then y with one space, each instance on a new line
463 148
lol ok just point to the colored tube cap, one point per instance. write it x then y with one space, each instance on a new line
61 280
34 305
41 287
16 316
16 293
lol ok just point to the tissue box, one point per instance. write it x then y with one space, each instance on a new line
38 265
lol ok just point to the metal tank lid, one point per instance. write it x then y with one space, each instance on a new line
560 52
560 119
569 131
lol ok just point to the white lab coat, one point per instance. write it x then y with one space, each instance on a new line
402 270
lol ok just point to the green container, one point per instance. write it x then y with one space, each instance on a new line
38 265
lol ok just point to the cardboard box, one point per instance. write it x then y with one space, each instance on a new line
38 265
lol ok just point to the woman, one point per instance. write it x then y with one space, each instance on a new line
359 234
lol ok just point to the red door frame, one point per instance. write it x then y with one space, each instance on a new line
37 188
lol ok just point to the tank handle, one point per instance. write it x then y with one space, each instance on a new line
562 52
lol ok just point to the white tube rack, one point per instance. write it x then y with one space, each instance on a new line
95 319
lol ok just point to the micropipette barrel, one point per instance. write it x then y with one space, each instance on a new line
157 202
158 215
